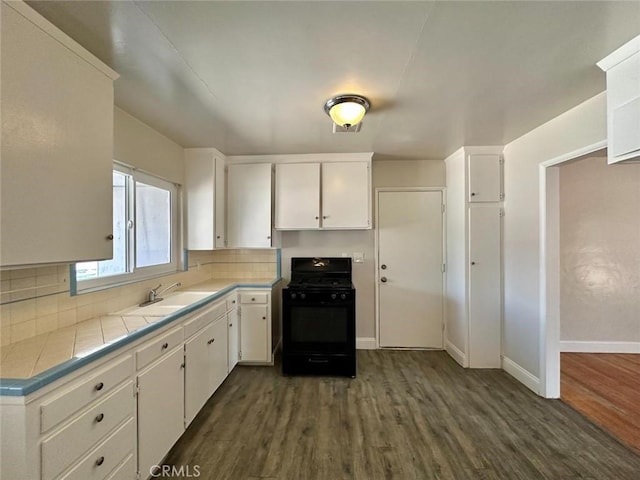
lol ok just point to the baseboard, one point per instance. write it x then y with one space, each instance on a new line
455 353
366 343
525 377
600 347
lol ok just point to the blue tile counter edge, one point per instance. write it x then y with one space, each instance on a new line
18 387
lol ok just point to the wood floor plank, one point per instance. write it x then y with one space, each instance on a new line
408 415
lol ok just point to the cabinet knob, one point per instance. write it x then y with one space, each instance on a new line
253 299
231 324
383 279
317 218
324 217
99 418
218 236
110 236
99 386
264 318
383 267
211 341
182 365
165 346
473 263
269 237
473 194
100 461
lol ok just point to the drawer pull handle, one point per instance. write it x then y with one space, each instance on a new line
99 418
100 461
99 386
165 346
211 341
231 324
314 360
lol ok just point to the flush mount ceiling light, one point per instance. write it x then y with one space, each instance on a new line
347 110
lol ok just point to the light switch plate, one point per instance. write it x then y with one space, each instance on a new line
358 257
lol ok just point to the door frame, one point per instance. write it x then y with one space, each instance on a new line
377 192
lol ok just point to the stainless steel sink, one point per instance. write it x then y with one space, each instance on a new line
168 305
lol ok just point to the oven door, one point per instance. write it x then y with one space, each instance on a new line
318 324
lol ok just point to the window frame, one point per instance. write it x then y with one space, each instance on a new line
136 274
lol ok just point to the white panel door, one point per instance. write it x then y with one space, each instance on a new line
297 196
485 178
253 333
484 286
410 278
160 409
346 195
249 205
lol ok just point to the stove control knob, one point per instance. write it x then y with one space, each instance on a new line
333 296
303 296
343 296
293 296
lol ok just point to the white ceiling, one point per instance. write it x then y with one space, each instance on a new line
252 77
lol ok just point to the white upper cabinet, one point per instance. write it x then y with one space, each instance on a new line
326 195
205 192
485 178
623 102
249 205
57 145
346 195
297 196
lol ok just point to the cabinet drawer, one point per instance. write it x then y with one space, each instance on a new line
200 321
232 302
156 348
84 392
60 450
254 298
110 455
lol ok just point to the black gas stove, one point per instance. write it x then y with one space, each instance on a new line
319 318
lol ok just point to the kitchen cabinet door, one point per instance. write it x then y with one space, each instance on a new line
219 354
234 338
484 286
485 178
57 145
249 205
197 373
254 332
205 198
346 195
297 196
160 409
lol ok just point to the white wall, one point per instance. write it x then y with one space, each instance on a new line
581 126
386 173
599 254
137 144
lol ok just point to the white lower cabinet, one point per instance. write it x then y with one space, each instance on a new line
87 428
205 366
160 409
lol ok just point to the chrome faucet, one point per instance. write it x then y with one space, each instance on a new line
153 294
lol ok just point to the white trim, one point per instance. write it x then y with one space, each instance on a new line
62 38
521 374
455 353
300 158
620 54
377 252
600 347
549 382
366 343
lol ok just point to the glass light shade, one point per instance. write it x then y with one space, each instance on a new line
347 114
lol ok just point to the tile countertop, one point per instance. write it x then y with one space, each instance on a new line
31 364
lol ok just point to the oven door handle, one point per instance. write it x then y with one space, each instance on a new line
315 360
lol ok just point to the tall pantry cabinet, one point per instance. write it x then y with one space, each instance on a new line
474 264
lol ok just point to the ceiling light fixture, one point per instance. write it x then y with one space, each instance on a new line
347 110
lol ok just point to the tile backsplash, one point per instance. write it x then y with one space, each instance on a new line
37 300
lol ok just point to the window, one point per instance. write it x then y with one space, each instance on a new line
144 231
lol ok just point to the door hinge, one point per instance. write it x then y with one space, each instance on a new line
444 267
443 208
137 475
136 390
502 196
502 212
240 355
501 160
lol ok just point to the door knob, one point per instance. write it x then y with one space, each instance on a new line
383 267
383 279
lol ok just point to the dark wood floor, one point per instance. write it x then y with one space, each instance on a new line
408 415
606 389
